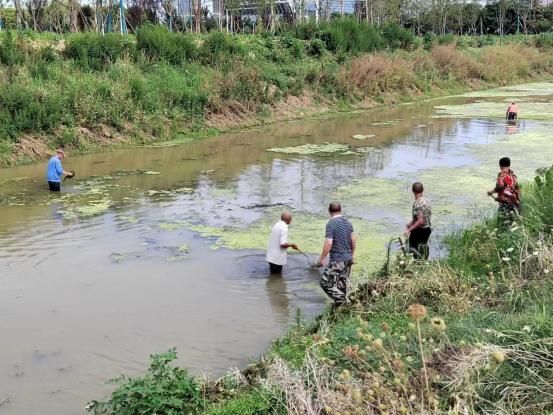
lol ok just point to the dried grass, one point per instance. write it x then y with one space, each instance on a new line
452 63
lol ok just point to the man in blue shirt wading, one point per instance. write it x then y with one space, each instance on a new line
340 243
55 171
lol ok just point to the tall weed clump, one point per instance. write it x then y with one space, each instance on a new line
396 37
94 51
165 389
505 64
451 63
375 75
350 36
217 46
10 53
159 44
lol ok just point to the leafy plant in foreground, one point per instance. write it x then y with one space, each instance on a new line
164 390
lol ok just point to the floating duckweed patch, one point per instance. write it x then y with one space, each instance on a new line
120 256
308 231
93 208
306 149
129 219
371 192
385 123
522 90
542 111
526 150
362 136
184 248
170 226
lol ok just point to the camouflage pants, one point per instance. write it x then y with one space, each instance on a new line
335 281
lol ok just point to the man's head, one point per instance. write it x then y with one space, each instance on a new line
60 153
504 163
286 217
417 188
334 208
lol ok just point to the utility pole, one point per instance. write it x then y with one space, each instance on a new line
317 4
122 21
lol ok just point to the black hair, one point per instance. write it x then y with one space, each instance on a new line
505 162
417 187
334 207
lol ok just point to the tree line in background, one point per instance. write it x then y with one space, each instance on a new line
460 17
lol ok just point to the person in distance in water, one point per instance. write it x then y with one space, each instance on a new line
512 112
54 171
277 251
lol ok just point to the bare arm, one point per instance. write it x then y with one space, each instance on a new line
326 249
415 224
353 246
287 245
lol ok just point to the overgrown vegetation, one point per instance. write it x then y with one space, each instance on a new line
467 334
88 91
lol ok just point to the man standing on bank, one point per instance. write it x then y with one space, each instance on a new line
277 252
55 171
340 244
419 229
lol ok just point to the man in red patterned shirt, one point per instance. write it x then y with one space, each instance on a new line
507 189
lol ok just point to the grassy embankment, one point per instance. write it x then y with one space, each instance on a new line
86 92
470 333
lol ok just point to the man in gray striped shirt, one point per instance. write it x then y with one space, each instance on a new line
340 244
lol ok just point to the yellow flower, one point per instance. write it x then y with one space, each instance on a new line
378 344
438 324
416 312
498 357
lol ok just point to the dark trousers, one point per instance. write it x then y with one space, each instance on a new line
54 186
511 116
275 269
418 242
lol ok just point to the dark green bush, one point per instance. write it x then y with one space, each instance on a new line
316 48
94 51
445 39
349 35
218 46
306 31
396 37
10 53
25 110
159 44
428 40
163 390
544 40
293 46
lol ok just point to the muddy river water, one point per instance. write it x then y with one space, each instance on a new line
152 248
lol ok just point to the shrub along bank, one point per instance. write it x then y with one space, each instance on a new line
86 92
471 333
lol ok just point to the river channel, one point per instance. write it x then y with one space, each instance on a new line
152 248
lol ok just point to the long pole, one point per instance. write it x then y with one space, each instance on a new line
122 22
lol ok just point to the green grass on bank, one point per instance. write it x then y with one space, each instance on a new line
468 334
87 92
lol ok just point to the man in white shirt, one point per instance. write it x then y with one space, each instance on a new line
277 251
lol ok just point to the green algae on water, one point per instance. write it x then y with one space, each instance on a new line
521 90
306 149
541 111
170 226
